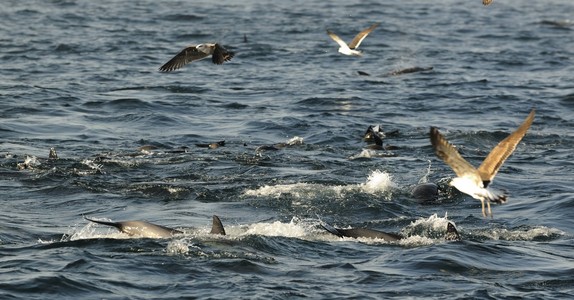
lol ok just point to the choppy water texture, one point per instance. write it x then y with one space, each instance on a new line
82 77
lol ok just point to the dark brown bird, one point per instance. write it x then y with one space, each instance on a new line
219 55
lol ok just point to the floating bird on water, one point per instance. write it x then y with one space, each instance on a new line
472 181
219 55
351 48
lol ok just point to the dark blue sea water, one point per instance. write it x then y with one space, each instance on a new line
82 77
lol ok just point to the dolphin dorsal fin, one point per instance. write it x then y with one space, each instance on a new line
451 233
113 224
217 227
331 229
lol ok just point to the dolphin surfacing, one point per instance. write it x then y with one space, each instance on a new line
140 228
149 230
361 233
425 192
451 233
216 226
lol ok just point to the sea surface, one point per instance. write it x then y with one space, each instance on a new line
82 77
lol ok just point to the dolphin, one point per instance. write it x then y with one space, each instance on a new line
400 71
148 230
408 71
213 145
216 226
451 235
425 191
361 233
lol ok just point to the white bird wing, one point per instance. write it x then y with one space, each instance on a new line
184 57
361 36
337 39
503 150
448 153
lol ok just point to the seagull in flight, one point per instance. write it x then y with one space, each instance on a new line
219 55
351 48
470 180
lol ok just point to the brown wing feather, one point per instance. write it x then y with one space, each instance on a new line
502 151
221 55
184 57
448 153
361 36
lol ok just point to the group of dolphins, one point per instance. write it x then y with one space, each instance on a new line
470 180
142 229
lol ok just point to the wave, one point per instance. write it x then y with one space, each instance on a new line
378 182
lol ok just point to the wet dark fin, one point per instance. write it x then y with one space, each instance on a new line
451 233
53 154
221 55
331 229
376 137
363 73
113 224
217 227
369 133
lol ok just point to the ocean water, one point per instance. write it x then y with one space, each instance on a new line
82 77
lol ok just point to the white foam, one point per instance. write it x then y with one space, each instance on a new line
425 177
522 235
425 231
295 141
95 168
434 222
30 162
292 229
377 182
177 247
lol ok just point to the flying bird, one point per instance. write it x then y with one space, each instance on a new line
470 180
351 48
219 55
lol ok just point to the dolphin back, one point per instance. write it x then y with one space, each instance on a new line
361 233
370 233
140 228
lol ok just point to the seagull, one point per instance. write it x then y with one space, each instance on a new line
486 2
354 44
470 180
219 55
